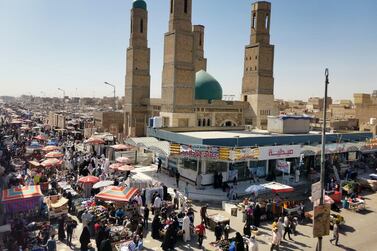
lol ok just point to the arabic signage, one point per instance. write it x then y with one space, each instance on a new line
244 153
283 166
279 152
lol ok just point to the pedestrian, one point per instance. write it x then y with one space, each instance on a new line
335 233
84 239
275 239
186 228
287 227
61 232
218 231
240 245
146 217
159 164
51 244
186 191
203 214
105 243
177 176
176 199
247 230
226 231
200 231
71 225
252 243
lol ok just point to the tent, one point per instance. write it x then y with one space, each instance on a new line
19 199
117 194
278 187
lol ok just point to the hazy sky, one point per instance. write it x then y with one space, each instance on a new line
76 45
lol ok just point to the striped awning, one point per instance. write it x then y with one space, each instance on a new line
21 193
117 194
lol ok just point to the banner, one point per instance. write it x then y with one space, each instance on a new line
279 152
283 166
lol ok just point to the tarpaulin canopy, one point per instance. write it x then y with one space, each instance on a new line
121 167
41 137
123 160
121 147
21 193
54 155
278 187
51 162
117 194
94 141
51 148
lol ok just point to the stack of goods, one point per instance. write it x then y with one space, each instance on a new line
120 233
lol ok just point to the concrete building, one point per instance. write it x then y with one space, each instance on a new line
112 122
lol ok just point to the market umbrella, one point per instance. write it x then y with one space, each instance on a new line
24 198
94 141
54 155
34 163
35 145
89 179
121 167
51 162
117 194
255 189
278 187
121 147
327 199
50 148
40 137
52 142
123 160
103 183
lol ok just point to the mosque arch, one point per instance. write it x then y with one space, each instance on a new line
228 123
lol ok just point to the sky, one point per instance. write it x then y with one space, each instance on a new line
77 45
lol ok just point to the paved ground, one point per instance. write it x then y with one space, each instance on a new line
359 232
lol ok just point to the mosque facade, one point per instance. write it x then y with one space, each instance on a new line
190 96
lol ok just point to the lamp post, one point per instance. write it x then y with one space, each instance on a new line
323 151
107 83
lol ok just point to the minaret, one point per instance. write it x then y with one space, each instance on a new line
200 62
258 80
178 76
137 89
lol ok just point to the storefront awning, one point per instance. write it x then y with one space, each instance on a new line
151 144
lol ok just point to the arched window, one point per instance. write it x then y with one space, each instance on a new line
254 21
266 22
228 123
199 122
208 122
171 6
186 7
200 39
141 26
204 122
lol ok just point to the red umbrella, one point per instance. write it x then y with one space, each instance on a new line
40 137
51 162
54 155
89 179
119 194
121 147
123 160
121 167
50 148
95 141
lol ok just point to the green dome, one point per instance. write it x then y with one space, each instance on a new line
207 87
139 4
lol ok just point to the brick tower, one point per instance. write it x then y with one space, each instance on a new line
178 76
137 88
258 80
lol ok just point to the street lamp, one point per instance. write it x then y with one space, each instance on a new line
107 83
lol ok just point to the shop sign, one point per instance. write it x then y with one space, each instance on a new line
279 152
244 153
283 166
199 151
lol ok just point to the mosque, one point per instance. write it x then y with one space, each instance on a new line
191 98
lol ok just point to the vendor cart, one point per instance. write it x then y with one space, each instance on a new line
57 205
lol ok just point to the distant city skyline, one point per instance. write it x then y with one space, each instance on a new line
78 45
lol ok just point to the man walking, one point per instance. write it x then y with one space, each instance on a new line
335 233
177 176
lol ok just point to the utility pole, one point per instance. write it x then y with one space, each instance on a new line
323 151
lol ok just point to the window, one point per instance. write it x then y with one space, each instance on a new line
255 68
186 6
171 6
131 26
253 23
266 22
245 98
256 57
190 164
204 122
141 26
200 39
199 122
218 167
208 122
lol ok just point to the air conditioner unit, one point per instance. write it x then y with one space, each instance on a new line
248 127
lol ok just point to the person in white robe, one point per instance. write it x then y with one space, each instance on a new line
186 228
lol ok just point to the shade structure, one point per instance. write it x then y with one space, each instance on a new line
117 194
50 148
21 199
123 160
52 142
54 155
255 189
278 187
121 167
327 200
89 179
94 141
103 183
40 137
34 163
51 162
35 145
121 147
